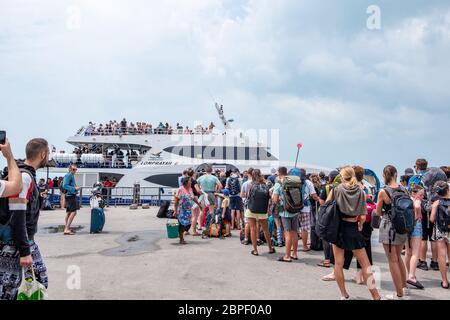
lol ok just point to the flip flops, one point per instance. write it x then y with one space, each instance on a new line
255 253
328 278
281 259
324 265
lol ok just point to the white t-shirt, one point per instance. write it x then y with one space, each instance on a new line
309 190
2 187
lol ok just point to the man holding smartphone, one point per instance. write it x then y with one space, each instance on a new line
14 183
19 217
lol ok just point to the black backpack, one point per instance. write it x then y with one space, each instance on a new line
402 212
258 201
163 209
234 186
328 221
443 215
34 204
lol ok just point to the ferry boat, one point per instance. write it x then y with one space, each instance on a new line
156 157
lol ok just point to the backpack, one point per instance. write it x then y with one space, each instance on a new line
292 190
234 186
443 216
5 217
328 222
402 213
258 201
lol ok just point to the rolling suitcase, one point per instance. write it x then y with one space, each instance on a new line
97 220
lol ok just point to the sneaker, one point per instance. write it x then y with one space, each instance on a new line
434 266
422 265
394 296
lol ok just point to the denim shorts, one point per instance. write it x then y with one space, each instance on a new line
417 232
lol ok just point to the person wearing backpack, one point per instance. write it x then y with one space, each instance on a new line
392 241
351 206
233 184
14 183
289 218
258 206
309 194
413 245
440 215
19 216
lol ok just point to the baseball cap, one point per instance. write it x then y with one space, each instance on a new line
333 174
409 172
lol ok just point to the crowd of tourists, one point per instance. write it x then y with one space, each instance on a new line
336 213
125 127
289 206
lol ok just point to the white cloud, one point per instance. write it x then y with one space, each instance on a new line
286 63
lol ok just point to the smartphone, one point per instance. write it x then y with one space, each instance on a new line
2 137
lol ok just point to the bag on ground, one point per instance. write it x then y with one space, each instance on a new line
162 213
97 220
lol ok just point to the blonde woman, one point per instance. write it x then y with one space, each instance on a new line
351 202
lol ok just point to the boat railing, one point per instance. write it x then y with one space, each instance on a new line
117 196
63 160
88 132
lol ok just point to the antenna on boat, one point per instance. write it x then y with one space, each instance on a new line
224 120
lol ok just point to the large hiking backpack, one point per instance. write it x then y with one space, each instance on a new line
234 186
328 222
292 190
443 215
402 212
258 201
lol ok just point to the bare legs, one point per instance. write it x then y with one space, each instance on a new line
397 267
443 249
69 219
363 260
412 257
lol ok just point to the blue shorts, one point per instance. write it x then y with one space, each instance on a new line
235 203
417 232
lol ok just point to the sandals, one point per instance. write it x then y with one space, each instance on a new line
255 253
293 258
70 233
416 284
324 265
272 251
281 259
442 285
328 278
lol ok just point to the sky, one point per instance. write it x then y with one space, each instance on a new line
313 69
